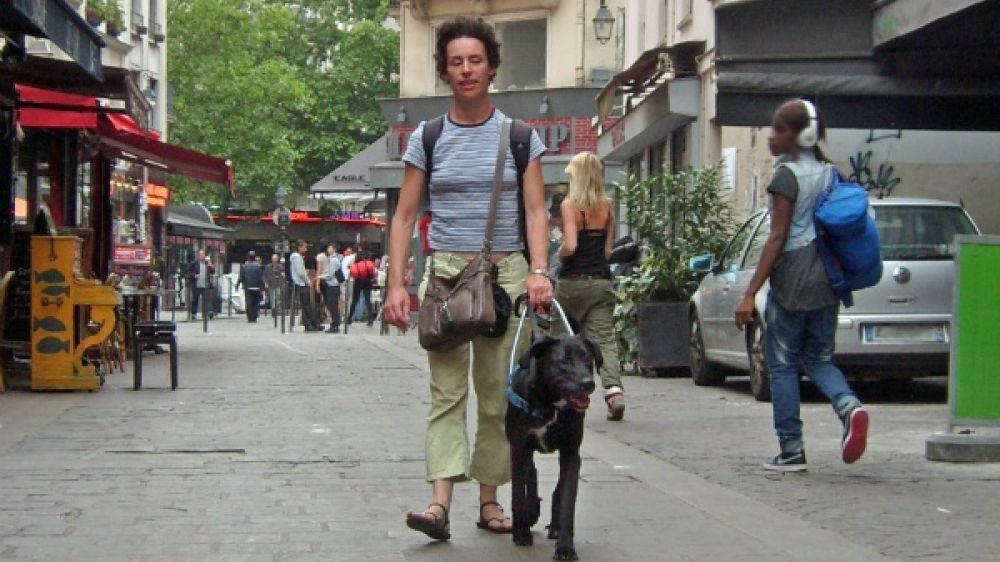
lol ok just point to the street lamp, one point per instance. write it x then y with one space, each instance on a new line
604 23
280 195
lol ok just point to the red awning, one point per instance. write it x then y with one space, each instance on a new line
121 138
55 110
125 124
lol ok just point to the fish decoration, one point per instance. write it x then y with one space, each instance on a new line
49 324
51 346
50 276
58 301
56 290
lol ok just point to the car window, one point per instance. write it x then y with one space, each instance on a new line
757 244
733 255
920 232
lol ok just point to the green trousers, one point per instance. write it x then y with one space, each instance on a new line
592 303
447 446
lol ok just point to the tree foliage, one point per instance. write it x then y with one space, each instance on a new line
286 90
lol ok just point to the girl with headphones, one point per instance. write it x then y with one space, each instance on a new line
801 313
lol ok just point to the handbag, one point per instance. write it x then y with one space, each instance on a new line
457 309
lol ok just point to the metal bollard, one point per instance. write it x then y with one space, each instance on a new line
230 299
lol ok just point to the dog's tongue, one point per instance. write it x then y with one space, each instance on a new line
579 402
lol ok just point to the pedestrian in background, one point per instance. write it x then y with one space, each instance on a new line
322 259
584 288
461 176
363 275
331 287
273 274
303 286
252 279
801 313
200 273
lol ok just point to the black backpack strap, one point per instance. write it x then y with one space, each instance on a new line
520 147
431 134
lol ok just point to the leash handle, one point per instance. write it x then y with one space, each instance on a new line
520 324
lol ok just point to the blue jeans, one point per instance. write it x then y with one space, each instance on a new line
803 338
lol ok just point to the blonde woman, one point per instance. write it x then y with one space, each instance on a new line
584 288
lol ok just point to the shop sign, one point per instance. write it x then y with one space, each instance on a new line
133 255
157 196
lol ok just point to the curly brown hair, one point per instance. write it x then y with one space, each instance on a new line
466 27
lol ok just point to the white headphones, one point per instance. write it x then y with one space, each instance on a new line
809 137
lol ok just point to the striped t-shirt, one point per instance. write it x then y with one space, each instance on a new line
461 182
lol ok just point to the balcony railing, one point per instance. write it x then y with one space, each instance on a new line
158 35
138 24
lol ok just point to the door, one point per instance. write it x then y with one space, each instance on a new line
715 314
735 340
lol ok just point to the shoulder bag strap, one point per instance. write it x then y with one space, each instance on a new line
491 220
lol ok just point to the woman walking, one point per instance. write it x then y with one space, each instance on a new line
461 177
584 288
801 314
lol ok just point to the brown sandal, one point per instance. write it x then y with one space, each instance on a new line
484 523
429 523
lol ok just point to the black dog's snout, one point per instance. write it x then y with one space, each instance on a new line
588 386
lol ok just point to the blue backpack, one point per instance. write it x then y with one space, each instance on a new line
846 238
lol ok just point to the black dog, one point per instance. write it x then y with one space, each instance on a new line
549 394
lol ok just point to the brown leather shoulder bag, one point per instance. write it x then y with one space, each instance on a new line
457 309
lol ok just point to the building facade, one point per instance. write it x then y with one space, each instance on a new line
905 117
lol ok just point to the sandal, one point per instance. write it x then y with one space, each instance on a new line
485 524
429 523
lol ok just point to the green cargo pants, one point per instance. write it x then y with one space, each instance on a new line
591 301
447 445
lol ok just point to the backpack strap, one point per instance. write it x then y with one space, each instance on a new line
431 134
520 147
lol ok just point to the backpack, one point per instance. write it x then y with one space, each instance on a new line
846 237
363 270
520 147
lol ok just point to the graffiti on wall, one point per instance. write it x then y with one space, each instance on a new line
880 180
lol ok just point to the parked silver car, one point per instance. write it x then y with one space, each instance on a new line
896 329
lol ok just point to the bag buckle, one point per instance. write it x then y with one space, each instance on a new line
446 319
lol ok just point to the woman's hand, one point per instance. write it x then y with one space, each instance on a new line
396 308
539 289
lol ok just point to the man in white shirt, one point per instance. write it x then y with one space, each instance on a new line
345 286
302 286
331 287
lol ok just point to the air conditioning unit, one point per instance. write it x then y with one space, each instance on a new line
40 47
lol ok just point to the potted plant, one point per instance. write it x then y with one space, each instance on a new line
93 14
674 215
107 11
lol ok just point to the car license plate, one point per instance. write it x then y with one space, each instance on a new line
905 333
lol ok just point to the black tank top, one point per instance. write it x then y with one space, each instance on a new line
588 260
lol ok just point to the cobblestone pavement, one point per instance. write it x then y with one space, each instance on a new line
310 447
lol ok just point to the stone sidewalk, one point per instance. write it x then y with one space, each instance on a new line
310 447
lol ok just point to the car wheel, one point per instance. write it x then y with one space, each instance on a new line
760 379
702 372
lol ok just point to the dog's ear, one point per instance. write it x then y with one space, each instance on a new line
541 346
595 351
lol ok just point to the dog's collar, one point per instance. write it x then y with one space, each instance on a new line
519 402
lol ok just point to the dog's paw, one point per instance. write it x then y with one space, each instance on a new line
565 553
523 538
553 531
